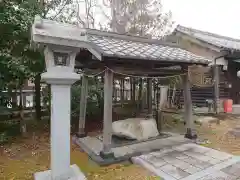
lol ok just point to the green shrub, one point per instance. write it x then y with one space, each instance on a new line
94 99
9 129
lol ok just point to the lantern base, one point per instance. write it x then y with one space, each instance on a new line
46 175
60 77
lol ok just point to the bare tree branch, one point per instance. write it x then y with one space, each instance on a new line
60 11
79 19
141 17
103 12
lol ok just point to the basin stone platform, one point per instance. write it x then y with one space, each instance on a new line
93 146
191 162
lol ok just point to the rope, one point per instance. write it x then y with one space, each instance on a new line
147 77
94 75
134 76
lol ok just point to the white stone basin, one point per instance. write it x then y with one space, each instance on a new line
135 128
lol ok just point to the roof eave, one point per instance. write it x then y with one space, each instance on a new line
159 60
199 41
40 36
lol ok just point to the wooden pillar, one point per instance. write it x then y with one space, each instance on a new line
159 115
154 93
134 90
114 91
216 89
107 117
24 99
143 96
188 114
140 94
83 107
131 88
14 99
122 91
149 96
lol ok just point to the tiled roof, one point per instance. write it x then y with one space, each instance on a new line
211 38
140 48
108 44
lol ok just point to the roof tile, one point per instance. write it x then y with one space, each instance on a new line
211 38
114 46
109 44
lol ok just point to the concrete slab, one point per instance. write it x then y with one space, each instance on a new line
174 171
197 163
191 162
119 142
217 175
218 154
233 169
93 145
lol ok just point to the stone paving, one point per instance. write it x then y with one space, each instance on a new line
191 162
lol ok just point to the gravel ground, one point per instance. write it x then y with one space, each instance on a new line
22 158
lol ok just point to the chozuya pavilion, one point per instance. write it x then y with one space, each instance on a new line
66 45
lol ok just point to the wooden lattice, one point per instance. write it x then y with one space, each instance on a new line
200 76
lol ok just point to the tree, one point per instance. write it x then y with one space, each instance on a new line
60 10
140 17
18 61
15 53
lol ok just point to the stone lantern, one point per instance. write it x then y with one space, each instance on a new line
60 61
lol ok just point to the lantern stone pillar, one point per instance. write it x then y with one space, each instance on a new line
60 43
60 75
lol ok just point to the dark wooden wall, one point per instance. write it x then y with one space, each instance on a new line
201 94
233 68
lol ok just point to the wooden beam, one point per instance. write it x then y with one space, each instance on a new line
148 63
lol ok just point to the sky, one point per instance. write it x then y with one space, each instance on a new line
216 16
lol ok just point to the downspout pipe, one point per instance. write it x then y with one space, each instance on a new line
217 81
216 84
